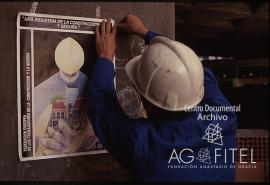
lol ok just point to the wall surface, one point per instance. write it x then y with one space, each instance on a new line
157 16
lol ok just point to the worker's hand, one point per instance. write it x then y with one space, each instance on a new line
133 24
66 140
105 40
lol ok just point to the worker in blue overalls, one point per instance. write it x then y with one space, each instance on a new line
179 140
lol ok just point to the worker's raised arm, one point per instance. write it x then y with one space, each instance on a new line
113 128
134 25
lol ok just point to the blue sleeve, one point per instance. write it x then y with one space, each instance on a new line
149 36
113 128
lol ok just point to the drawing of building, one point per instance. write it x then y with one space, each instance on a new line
74 115
78 115
70 108
58 112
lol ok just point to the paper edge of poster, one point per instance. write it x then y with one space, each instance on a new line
64 155
19 90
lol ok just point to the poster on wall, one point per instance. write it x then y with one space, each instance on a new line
55 57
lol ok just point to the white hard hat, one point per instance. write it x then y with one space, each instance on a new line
168 74
69 56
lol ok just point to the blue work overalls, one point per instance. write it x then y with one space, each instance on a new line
145 148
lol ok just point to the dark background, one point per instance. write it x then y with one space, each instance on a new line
232 29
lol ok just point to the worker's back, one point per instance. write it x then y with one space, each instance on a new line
170 76
197 147
182 149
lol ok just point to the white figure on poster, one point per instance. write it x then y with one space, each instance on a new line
61 123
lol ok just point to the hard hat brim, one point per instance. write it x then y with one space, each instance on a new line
131 68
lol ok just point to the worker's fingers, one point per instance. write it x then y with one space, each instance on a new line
103 27
108 26
59 137
52 144
51 152
124 19
122 26
97 32
114 30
